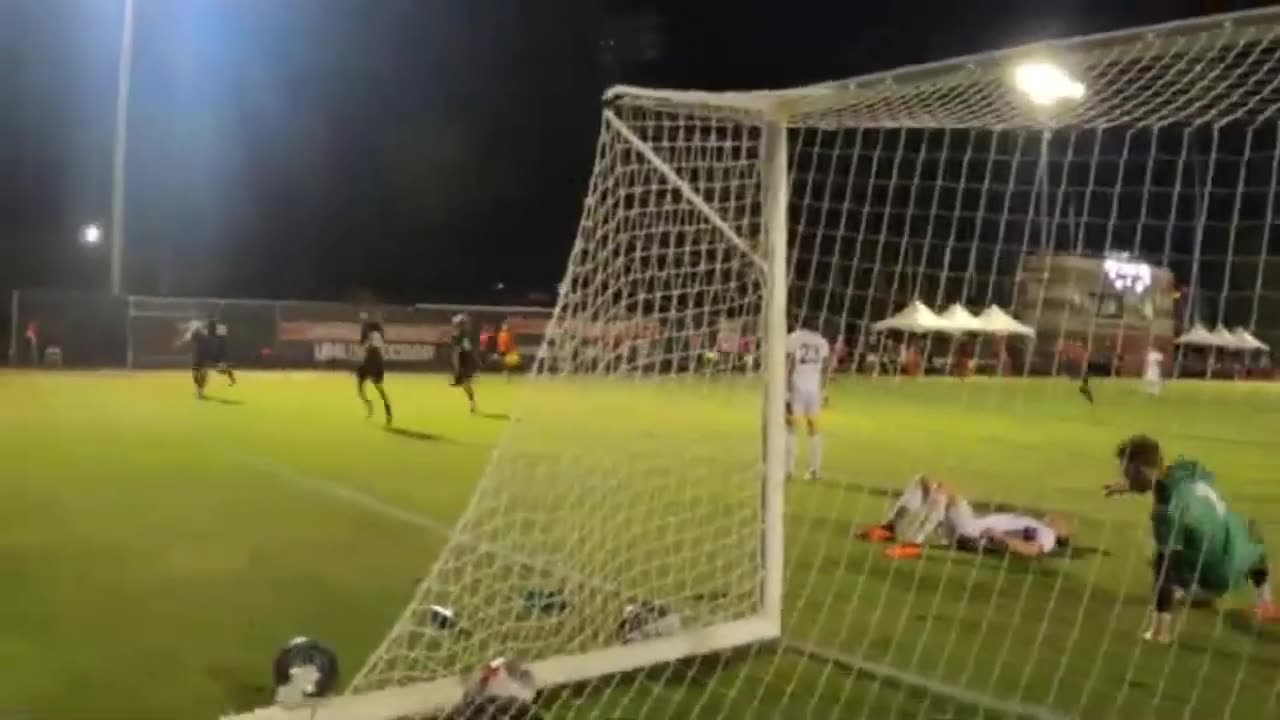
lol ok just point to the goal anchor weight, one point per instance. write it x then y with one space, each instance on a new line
304 670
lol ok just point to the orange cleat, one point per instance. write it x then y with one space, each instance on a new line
876 533
1267 612
905 551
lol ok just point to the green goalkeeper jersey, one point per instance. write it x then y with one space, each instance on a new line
1207 544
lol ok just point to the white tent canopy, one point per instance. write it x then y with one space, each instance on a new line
961 320
914 318
998 322
1197 336
1228 341
1247 340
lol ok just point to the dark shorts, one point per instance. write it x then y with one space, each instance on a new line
371 369
466 370
201 362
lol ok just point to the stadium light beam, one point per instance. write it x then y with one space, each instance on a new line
91 234
124 71
1046 84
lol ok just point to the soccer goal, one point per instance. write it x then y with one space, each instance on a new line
158 327
634 538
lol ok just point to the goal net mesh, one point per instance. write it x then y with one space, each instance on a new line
631 472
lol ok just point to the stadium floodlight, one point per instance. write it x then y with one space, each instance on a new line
1046 84
90 234
633 477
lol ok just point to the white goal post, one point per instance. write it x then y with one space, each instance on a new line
632 472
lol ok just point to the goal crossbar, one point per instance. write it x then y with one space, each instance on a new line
805 101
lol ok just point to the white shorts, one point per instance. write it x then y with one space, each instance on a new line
805 402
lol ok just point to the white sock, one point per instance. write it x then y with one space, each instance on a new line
911 499
815 454
935 511
791 451
1264 593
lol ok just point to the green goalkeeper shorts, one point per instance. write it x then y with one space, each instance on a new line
1215 574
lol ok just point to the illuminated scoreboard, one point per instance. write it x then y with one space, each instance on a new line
1116 301
1127 275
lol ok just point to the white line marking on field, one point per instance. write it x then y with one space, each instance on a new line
339 491
288 476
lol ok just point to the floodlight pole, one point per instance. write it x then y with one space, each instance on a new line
124 70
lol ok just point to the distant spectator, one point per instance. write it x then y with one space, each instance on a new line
33 341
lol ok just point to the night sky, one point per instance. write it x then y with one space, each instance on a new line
414 149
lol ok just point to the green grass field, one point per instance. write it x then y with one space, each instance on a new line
156 551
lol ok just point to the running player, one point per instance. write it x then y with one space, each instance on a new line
197 334
217 333
926 506
372 367
464 358
1202 547
807 356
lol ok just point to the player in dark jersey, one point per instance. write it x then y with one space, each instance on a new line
465 360
217 334
197 334
1201 544
371 367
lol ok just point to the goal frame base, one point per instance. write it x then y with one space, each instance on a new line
435 697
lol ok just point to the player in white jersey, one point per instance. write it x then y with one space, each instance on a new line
807 356
926 506
1152 374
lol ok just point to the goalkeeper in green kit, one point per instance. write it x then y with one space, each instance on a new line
1201 545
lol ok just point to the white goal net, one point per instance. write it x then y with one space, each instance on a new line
1107 221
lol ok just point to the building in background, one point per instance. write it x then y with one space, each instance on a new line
1117 306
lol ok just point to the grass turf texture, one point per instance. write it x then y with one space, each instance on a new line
156 551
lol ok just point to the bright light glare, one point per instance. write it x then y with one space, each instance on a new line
1127 275
91 234
1046 84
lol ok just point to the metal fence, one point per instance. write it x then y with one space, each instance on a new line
80 330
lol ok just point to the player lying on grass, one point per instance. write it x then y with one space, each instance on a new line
1201 546
926 506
